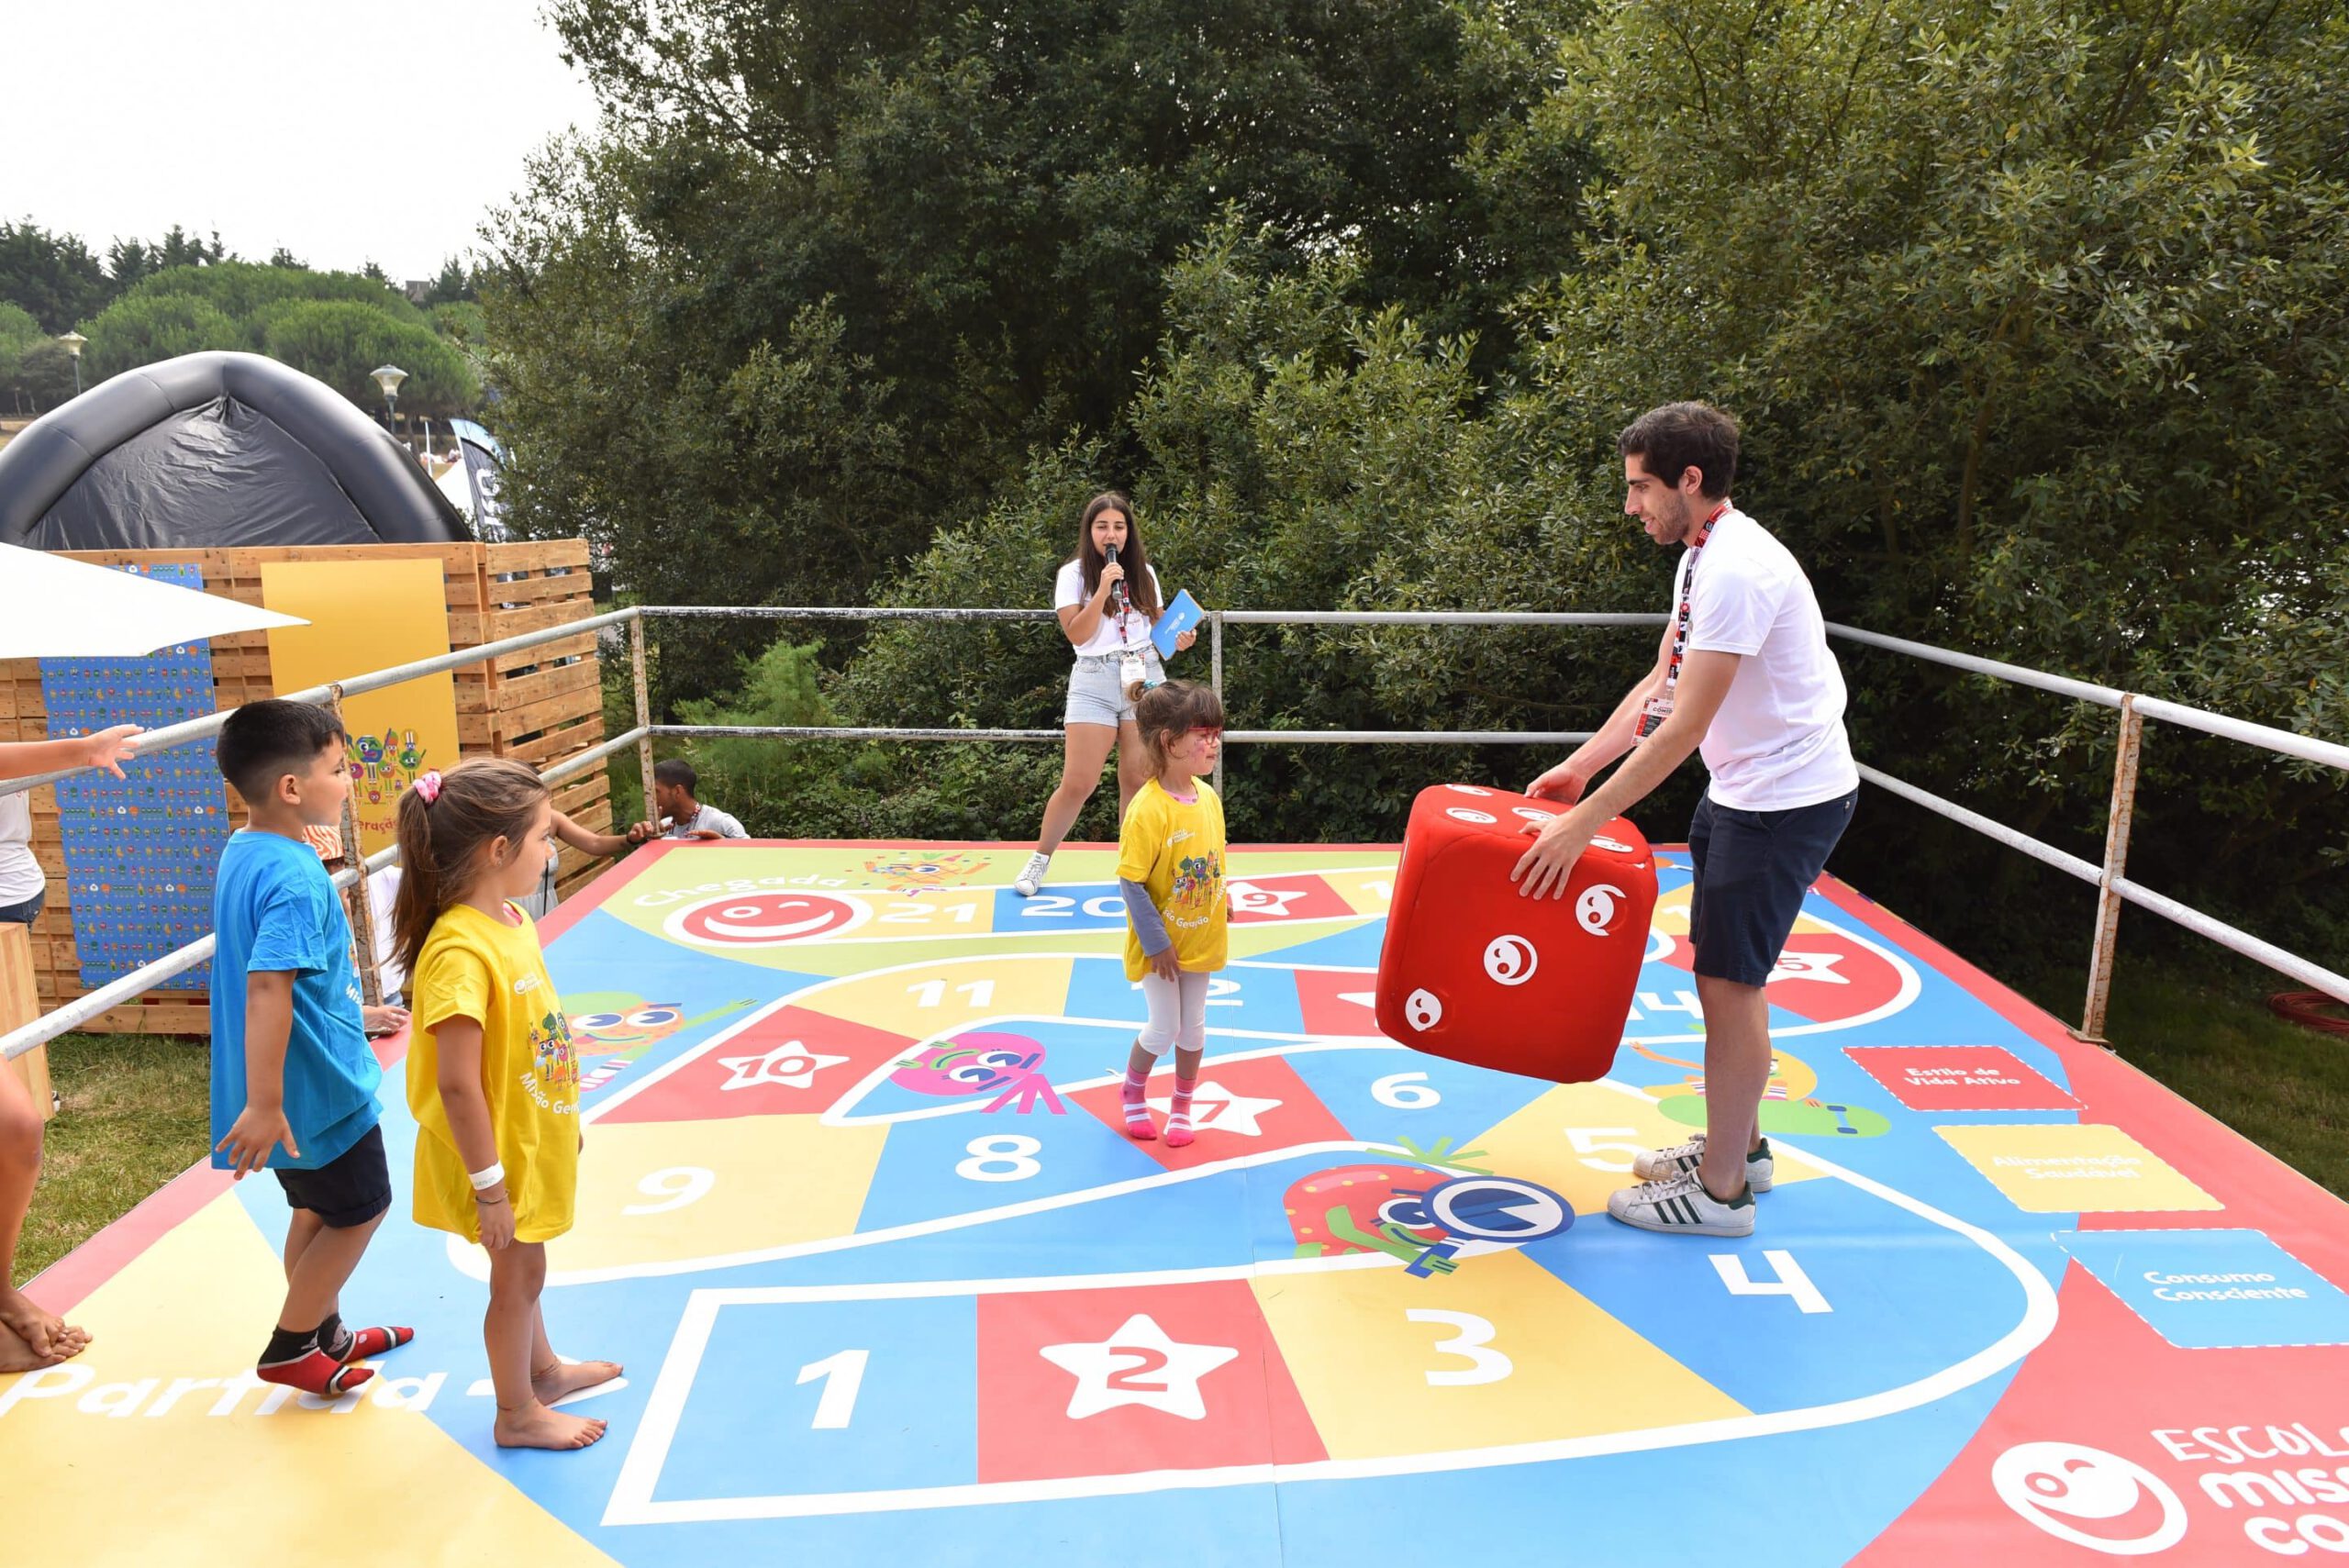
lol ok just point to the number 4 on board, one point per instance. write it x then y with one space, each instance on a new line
1791 1281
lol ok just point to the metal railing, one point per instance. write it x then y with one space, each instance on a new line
2113 887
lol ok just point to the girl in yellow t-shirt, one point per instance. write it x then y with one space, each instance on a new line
1170 867
492 1075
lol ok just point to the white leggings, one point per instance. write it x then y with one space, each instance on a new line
1178 1012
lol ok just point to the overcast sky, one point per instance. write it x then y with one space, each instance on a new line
344 133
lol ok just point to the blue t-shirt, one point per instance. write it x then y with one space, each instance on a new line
275 910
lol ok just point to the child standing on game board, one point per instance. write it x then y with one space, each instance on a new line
1170 867
290 1065
492 1074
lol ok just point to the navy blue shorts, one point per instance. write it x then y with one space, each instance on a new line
1753 868
350 1189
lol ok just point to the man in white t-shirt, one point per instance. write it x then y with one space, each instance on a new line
1743 675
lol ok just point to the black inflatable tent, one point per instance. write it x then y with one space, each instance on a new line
210 451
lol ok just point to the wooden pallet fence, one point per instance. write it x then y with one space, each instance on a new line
542 706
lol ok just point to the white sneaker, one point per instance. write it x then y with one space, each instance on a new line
1682 1205
1682 1160
1032 877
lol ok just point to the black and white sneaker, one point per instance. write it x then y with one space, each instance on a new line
1682 1205
1032 877
1682 1160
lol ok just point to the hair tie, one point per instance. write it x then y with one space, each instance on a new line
429 787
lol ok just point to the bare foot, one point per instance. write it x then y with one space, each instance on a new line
538 1427
29 1331
554 1383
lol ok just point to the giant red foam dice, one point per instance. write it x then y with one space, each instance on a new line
1473 972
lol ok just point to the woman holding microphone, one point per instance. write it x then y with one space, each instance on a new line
1107 597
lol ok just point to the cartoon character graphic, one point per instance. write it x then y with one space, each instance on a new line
907 869
610 1022
1360 1208
1417 1215
1198 879
1010 1066
556 1060
1787 1104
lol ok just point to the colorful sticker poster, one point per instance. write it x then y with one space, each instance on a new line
366 615
140 849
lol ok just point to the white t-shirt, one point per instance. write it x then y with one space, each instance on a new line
1777 741
20 874
1068 589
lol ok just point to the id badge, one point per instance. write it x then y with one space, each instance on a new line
1131 670
1652 715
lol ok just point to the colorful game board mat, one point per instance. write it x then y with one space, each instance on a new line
891 1285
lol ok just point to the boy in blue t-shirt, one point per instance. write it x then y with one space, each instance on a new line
291 1064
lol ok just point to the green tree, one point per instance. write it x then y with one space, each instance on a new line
53 277
2036 313
987 201
141 329
342 342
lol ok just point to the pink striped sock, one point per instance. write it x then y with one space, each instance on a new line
1137 1111
1178 1115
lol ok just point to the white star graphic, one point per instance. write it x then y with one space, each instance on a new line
790 1066
1216 1108
1793 965
1360 998
1139 1364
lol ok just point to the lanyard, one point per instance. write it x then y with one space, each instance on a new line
1661 704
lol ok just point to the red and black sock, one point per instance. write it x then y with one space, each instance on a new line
294 1359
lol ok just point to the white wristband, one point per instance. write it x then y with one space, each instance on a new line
488 1177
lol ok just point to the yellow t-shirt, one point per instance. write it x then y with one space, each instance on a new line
476 967
1177 851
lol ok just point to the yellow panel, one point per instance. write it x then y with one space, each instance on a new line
133 1470
1671 915
1362 1364
936 997
370 616
1538 1143
770 1180
1368 892
2057 1168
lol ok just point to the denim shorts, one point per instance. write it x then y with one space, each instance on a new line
25 914
1096 696
1753 868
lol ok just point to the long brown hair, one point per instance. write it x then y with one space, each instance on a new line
442 838
1142 589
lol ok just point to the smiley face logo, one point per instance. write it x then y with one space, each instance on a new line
1468 789
2089 1497
1510 960
1595 908
765 920
1422 1010
1462 814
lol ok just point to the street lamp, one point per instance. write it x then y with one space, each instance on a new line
389 377
74 341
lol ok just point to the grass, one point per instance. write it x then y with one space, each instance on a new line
135 1108
2210 1038
137 1113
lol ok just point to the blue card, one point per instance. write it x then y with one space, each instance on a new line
1179 618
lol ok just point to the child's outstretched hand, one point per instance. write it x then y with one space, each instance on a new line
1163 963
257 1133
382 1019
496 1221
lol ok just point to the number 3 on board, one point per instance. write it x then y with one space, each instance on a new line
1472 1344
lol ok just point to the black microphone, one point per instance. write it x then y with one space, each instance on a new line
1117 589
